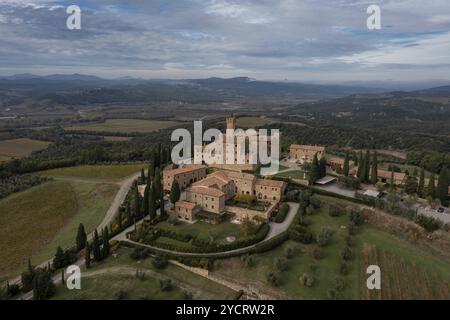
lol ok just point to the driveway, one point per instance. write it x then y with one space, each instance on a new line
275 230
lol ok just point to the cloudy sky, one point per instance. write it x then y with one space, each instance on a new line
306 40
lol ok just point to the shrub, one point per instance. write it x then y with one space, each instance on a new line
343 268
347 253
307 280
332 294
139 253
282 213
165 285
248 260
281 264
273 279
317 253
428 223
160 262
339 283
323 238
356 217
289 252
301 234
315 201
120 295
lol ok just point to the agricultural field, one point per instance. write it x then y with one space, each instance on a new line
401 279
116 139
18 148
118 272
34 222
107 173
125 126
400 261
253 122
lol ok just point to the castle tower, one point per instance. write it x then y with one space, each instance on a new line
231 122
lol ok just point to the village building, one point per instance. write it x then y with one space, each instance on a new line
305 153
185 176
211 193
386 176
186 210
337 164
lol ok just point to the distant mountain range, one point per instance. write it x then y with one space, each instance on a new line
86 89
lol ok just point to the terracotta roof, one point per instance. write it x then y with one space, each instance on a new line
309 148
213 192
185 169
270 183
239 175
210 181
387 175
185 205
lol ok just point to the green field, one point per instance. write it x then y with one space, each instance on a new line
34 222
217 232
18 148
413 262
95 172
118 273
252 122
125 126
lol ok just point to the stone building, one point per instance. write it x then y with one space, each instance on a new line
304 153
185 176
186 210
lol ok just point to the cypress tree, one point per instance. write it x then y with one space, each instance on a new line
322 167
152 165
392 182
431 192
421 187
175 192
81 237
143 180
105 239
87 256
360 166
442 186
145 202
157 183
162 211
137 202
152 204
59 261
96 247
366 167
346 168
314 170
374 171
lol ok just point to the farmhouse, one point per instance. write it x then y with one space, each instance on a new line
210 194
337 164
304 153
185 176
385 177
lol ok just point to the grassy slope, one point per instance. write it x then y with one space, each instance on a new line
30 219
34 222
327 268
126 125
96 172
109 283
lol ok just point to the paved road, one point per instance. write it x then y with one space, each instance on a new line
275 229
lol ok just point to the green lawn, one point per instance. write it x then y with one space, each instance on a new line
96 172
34 222
218 232
125 126
117 272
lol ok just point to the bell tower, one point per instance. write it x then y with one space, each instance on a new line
231 122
